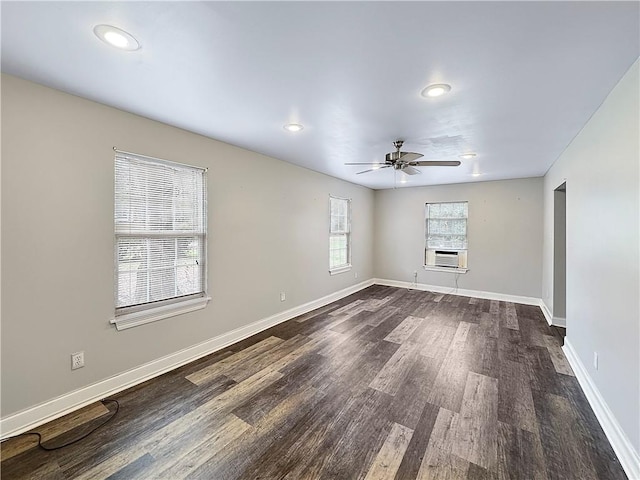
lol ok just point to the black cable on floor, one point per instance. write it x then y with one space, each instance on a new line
49 449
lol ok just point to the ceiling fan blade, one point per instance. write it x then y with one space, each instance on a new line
409 170
367 163
372 169
409 156
437 163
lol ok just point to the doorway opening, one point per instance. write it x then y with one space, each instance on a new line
560 255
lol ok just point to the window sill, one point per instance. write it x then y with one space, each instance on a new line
433 268
129 320
338 270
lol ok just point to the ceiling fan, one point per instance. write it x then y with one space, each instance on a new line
405 161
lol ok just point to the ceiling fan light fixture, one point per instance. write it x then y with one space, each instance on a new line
293 127
435 90
116 37
467 156
405 162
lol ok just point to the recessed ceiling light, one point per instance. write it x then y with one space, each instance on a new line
293 127
436 90
116 37
467 156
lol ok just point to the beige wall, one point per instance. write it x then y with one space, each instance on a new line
268 232
504 233
602 168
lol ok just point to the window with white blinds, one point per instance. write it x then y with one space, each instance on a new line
447 225
160 232
339 234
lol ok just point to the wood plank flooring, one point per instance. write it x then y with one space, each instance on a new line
385 384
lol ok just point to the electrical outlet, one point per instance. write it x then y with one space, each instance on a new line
77 360
355 275
595 360
283 296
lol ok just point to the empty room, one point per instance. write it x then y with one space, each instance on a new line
320 240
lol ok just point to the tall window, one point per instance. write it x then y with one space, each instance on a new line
446 234
340 235
160 232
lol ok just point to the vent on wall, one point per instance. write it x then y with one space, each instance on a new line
446 259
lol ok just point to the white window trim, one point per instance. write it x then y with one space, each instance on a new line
347 266
148 315
341 269
433 268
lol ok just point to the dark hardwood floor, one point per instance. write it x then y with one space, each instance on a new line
385 384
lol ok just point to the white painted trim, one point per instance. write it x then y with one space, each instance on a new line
551 320
128 320
546 312
433 268
629 458
337 270
460 291
32 417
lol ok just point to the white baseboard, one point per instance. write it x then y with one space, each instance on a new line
32 417
546 312
460 291
551 320
559 321
629 458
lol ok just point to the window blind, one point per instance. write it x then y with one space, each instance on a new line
447 225
160 230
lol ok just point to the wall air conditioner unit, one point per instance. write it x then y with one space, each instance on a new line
446 258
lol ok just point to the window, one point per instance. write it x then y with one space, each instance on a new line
340 235
446 236
160 237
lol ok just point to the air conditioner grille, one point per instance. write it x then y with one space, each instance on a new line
446 259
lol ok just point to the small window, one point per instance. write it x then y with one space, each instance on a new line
446 236
160 237
340 235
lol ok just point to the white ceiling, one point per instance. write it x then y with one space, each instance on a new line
525 76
